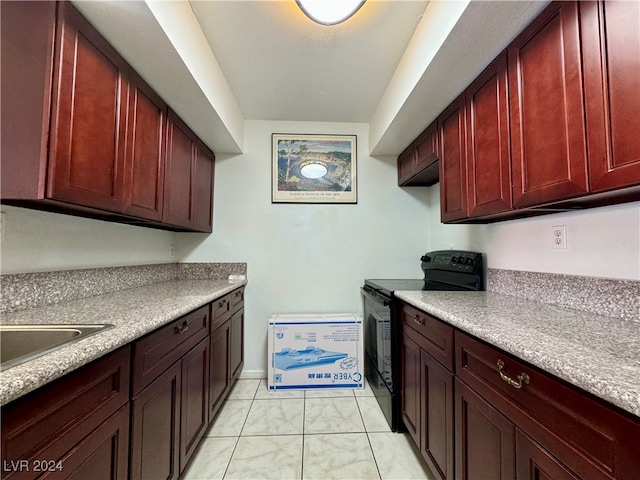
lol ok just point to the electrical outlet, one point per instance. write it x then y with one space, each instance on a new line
172 251
559 237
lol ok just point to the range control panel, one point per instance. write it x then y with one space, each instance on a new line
453 260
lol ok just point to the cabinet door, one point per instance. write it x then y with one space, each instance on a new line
155 428
485 439
195 400
436 413
533 462
219 370
144 159
453 170
427 147
86 156
51 423
236 355
179 169
406 164
611 49
547 109
103 455
28 33
203 189
488 142
410 387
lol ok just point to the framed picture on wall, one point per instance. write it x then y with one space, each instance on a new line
313 168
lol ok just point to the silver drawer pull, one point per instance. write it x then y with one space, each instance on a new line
417 319
522 378
180 329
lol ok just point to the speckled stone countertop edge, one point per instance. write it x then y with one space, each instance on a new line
133 312
600 355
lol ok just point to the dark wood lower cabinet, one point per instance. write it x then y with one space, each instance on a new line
427 401
534 462
77 423
137 413
499 418
195 400
155 428
436 411
410 398
220 373
237 343
102 455
485 439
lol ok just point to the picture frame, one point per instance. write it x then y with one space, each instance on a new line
314 168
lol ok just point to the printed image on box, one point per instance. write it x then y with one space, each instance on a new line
288 358
315 351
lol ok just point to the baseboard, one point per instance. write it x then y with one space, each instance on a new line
252 374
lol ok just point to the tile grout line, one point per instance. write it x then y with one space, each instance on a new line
304 413
235 447
366 431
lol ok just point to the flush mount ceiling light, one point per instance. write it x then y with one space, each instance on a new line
329 12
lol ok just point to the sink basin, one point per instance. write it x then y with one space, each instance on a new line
21 343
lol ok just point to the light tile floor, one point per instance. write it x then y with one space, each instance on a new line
340 434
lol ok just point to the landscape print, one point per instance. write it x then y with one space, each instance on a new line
314 168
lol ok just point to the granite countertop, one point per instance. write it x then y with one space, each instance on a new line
133 312
599 354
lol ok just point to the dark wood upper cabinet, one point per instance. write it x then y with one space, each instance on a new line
203 188
83 134
189 175
488 143
453 169
406 165
145 151
611 58
552 124
418 164
548 141
179 173
86 154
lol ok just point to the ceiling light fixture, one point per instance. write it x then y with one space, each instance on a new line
329 12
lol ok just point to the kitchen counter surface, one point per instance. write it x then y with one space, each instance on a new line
599 354
133 312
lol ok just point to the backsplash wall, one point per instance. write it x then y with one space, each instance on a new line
31 290
601 296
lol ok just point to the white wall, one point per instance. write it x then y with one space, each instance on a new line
601 242
34 241
308 258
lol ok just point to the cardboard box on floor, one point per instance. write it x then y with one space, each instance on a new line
315 351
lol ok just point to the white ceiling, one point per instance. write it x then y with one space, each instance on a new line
395 64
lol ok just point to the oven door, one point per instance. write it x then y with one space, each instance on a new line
379 337
377 324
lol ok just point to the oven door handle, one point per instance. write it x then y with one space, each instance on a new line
375 295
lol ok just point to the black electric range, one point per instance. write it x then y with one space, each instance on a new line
444 270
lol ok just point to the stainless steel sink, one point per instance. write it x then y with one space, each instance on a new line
21 343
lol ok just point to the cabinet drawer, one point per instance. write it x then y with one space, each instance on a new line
220 311
436 337
237 300
224 307
55 418
154 353
592 438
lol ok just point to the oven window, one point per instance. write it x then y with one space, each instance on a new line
377 319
